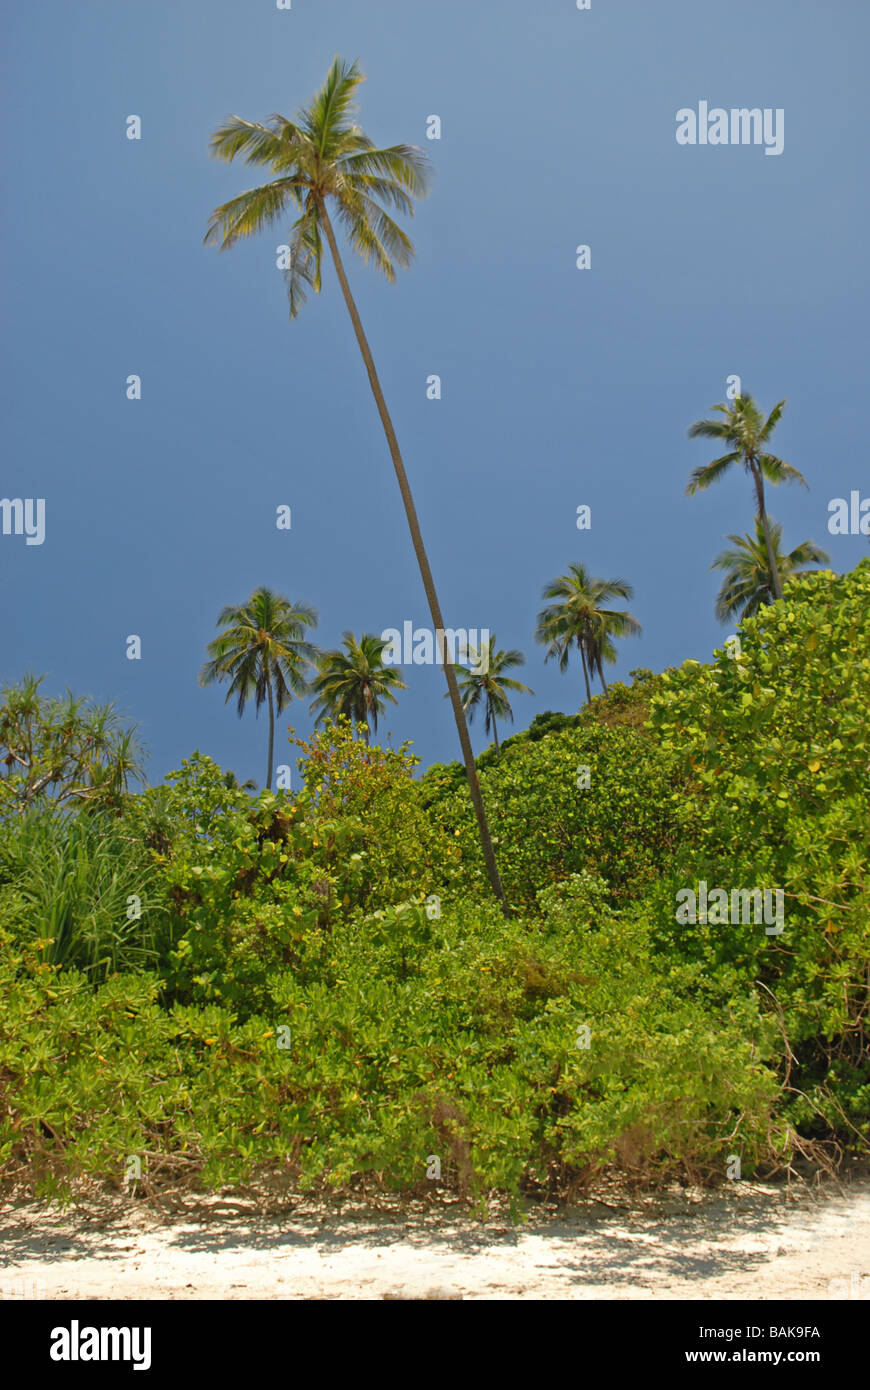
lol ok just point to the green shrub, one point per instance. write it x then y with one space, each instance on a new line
62 752
452 1036
545 827
775 746
252 884
258 884
404 850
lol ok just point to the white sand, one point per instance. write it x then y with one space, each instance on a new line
750 1241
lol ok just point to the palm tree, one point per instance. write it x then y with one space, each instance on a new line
745 431
488 683
578 616
321 160
232 783
263 653
356 682
748 582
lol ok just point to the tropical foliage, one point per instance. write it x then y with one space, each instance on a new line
69 751
748 582
264 654
775 747
484 682
355 682
456 1037
83 891
333 986
577 617
316 990
746 434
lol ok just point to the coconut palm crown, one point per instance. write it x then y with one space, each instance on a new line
748 582
484 682
578 616
746 433
356 682
264 654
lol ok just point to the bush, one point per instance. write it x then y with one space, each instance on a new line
775 746
453 1037
545 827
252 884
70 752
255 885
403 849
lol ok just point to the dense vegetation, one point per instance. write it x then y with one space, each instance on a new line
477 976
319 988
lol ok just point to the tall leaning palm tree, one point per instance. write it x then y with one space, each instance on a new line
323 161
746 433
485 682
356 682
263 653
578 616
748 582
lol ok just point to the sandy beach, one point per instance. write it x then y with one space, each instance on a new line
751 1241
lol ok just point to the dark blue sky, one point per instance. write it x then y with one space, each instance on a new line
560 386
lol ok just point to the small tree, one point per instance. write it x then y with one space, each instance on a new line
69 751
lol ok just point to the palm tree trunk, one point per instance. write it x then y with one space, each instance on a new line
585 674
422 561
495 734
600 661
771 557
271 731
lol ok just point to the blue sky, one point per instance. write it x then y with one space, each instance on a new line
560 386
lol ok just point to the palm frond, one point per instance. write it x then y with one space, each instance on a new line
306 258
708 473
333 105
778 471
274 145
748 582
373 234
401 169
251 211
710 429
772 421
